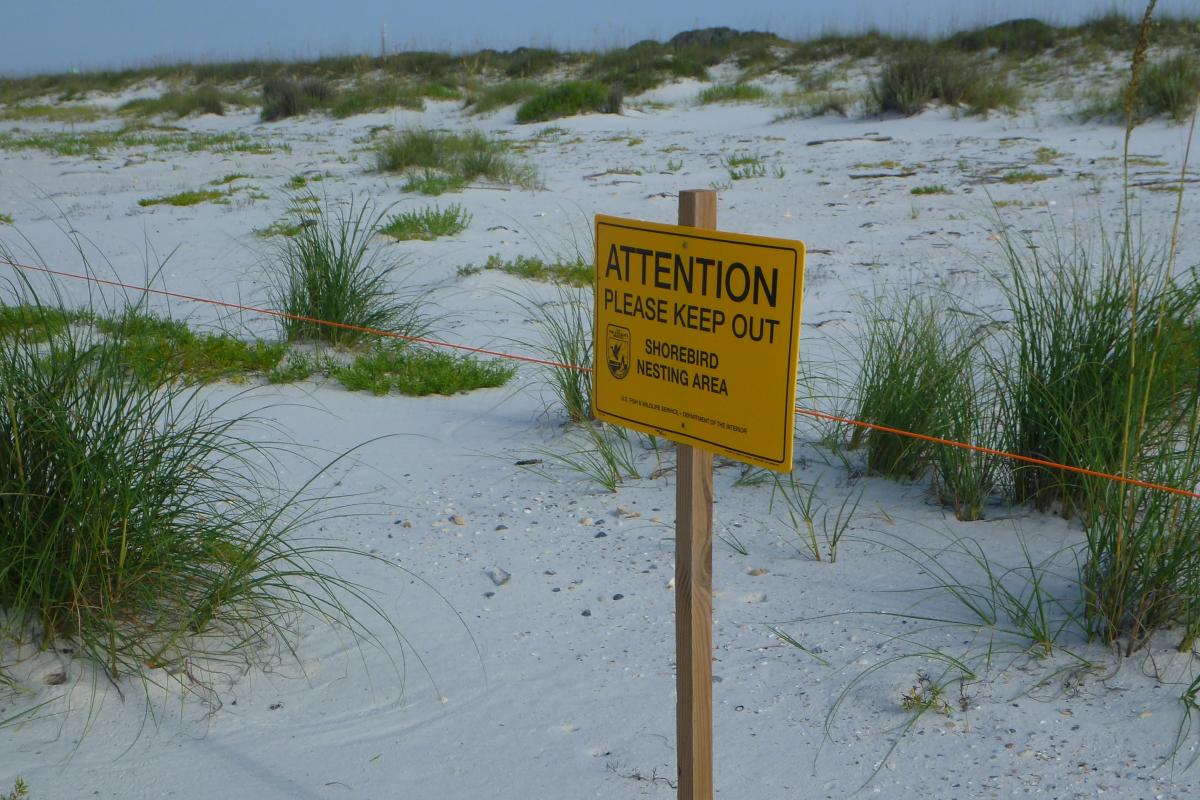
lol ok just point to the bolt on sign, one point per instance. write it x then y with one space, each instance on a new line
697 335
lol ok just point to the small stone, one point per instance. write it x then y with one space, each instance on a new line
618 596
586 613
758 571
671 583
498 575
1146 714
587 521
600 535
556 589
627 513
501 527
489 594
457 520
406 524
275 706
717 679
549 572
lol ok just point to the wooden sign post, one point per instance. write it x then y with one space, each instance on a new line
693 580
696 338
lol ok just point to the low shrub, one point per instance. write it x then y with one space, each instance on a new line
200 100
920 74
568 99
500 95
376 95
286 97
733 93
1170 87
439 161
428 223
419 371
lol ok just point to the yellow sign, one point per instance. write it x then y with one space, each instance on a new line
697 334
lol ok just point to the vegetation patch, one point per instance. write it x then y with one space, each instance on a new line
419 371
51 113
575 272
178 104
284 97
5 219
142 529
920 74
438 161
936 188
94 143
499 95
327 271
568 99
188 198
743 166
377 95
733 93
428 223
1022 176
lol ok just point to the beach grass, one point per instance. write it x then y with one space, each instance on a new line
439 161
568 99
142 530
418 371
329 271
427 223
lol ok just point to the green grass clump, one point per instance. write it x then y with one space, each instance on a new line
907 364
52 113
438 161
284 97
1022 176
499 95
568 99
1170 87
160 349
188 198
5 219
27 321
571 272
733 93
564 327
920 74
200 100
94 143
377 95
1026 37
141 530
743 166
936 188
327 271
418 371
428 223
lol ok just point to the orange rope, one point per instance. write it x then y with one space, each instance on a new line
545 362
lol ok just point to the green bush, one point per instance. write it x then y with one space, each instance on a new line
286 97
396 366
1170 87
501 94
1022 36
428 223
201 100
567 99
920 74
438 161
733 93
376 95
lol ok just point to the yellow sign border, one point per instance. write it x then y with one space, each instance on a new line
796 249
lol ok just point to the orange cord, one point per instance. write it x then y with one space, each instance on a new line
548 363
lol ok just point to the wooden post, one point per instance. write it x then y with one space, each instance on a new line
693 580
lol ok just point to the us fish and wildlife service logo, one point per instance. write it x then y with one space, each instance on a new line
616 350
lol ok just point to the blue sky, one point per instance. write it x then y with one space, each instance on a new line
56 35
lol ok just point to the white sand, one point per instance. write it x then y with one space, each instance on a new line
556 704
